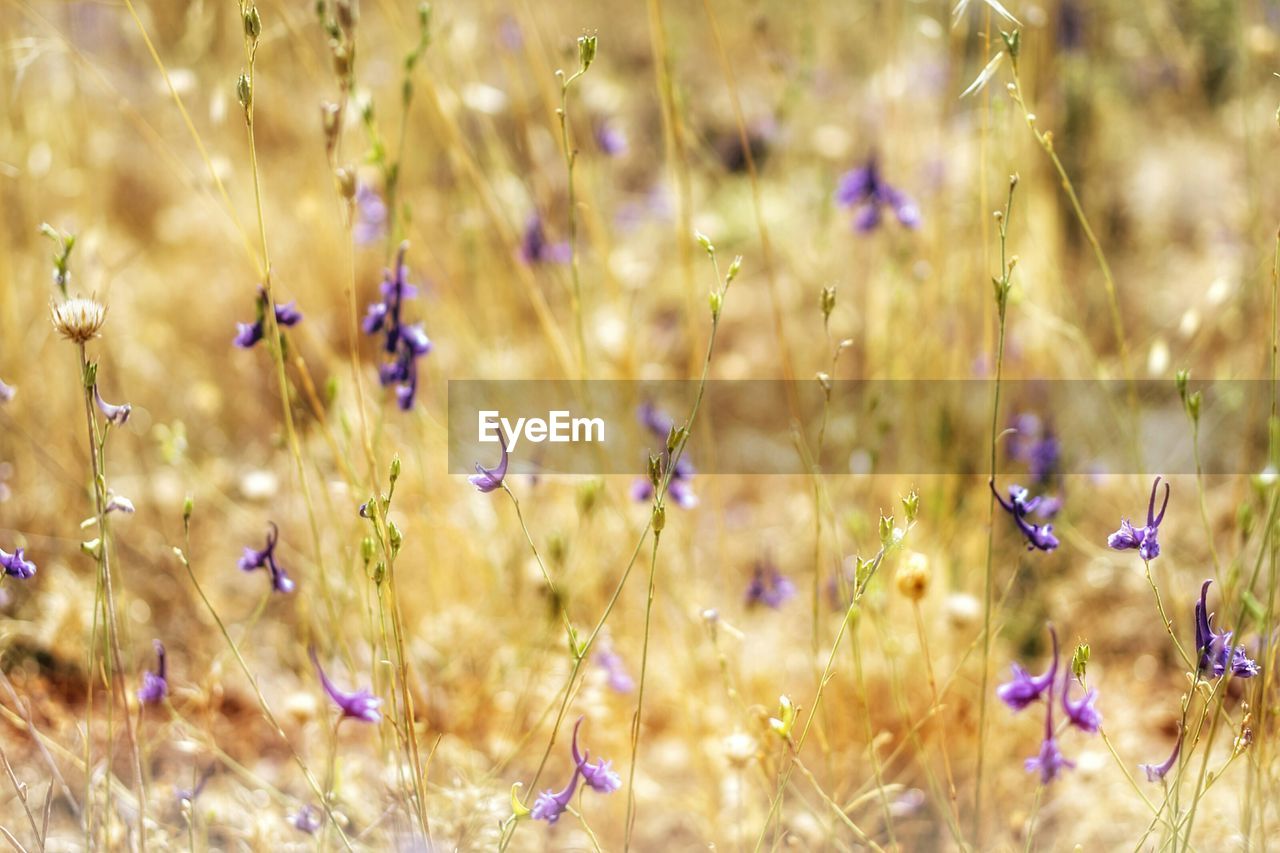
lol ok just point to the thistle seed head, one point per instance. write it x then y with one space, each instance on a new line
79 320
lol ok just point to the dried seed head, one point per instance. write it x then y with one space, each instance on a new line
913 576
79 320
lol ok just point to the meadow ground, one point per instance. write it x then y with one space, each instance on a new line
257 608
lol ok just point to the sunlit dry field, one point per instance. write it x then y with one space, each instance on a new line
248 604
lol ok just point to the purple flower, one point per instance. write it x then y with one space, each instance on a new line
16 565
600 776
307 819
1142 538
1025 688
248 334
280 581
114 414
1036 446
1039 536
769 586
1216 652
490 479
360 705
6 392
189 794
1050 761
534 248
1156 772
611 138
1080 714
155 685
550 805
403 343
371 216
611 662
865 191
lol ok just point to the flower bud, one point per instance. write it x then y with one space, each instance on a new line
659 518
734 269
705 242
394 537
886 531
367 549
188 507
716 300
911 505
586 51
1080 660
828 301
252 24
244 92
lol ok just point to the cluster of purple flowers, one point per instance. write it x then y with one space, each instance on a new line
769 587
403 343
680 483
599 777
1021 506
1217 655
254 559
248 334
869 195
1025 689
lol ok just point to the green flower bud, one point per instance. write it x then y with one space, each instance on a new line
394 537
244 92
586 51
828 301
659 518
705 242
188 507
1080 660
911 505
252 23
367 548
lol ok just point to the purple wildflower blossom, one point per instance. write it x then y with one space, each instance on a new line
1081 714
155 685
1050 761
1039 536
248 334
600 777
1216 651
1156 772
6 392
535 249
190 794
611 662
769 586
490 479
359 705
16 565
116 415
867 193
1025 688
611 139
307 819
253 559
550 805
1142 538
403 343
371 216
